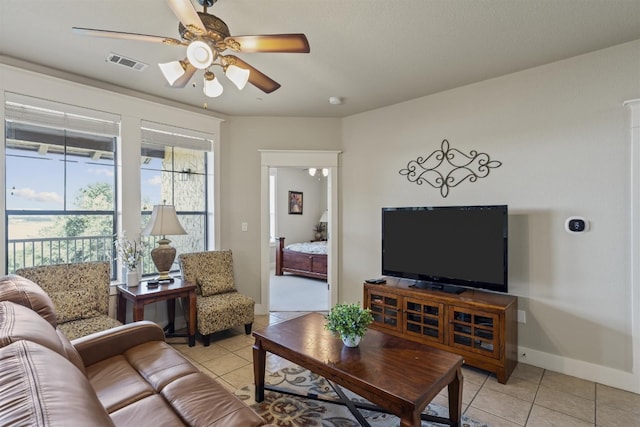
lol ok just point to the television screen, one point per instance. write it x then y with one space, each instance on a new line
453 245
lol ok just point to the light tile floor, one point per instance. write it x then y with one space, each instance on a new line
532 397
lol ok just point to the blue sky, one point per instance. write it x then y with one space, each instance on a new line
37 182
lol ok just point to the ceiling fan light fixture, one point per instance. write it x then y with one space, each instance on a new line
200 54
212 87
239 76
172 71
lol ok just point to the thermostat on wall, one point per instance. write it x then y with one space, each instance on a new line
576 224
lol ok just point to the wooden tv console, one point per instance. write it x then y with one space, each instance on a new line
479 326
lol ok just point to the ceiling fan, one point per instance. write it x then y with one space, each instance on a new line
206 37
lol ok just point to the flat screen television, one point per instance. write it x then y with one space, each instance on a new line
447 247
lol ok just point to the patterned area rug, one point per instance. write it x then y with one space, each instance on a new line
292 411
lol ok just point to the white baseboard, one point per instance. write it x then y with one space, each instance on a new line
578 368
260 309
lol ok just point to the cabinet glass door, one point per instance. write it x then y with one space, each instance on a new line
474 331
423 319
385 309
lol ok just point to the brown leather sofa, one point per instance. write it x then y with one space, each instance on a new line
124 376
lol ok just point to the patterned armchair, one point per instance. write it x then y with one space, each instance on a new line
219 306
80 294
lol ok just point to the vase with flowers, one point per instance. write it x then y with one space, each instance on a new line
350 321
130 253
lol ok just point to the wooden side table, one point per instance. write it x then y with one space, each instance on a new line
142 295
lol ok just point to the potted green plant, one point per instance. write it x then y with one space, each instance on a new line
350 321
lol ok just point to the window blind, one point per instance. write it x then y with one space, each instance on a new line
161 134
34 111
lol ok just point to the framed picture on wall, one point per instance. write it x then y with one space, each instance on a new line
295 202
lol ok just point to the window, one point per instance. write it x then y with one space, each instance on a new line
174 171
60 178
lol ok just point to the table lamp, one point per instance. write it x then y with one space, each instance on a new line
163 222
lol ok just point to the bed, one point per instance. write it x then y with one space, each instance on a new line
307 259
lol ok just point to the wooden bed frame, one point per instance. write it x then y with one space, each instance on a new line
300 263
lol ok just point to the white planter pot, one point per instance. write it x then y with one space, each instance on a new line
132 278
351 341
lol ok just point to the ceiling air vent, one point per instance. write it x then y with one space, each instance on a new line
126 62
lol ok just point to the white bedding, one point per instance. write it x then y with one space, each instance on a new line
309 247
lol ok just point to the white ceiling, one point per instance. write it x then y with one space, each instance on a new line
370 53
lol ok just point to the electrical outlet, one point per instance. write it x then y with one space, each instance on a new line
245 226
522 316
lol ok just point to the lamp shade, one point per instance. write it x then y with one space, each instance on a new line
172 71
239 76
324 217
163 222
212 86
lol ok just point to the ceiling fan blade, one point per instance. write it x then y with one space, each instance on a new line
184 79
256 78
284 43
124 36
185 12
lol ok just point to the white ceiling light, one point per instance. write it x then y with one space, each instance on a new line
239 76
325 171
212 86
172 71
334 100
200 54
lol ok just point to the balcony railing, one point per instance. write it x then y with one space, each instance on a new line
61 250
57 250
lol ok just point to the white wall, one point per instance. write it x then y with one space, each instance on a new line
563 137
241 199
299 228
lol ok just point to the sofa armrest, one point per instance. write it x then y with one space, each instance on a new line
112 342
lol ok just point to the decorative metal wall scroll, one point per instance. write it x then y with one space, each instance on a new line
448 167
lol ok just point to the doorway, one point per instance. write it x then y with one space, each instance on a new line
299 159
303 229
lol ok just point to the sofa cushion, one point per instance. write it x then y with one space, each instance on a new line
26 293
202 402
21 323
150 411
34 393
116 383
159 363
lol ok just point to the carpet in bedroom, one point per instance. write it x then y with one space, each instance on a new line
295 293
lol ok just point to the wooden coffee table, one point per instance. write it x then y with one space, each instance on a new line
399 376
